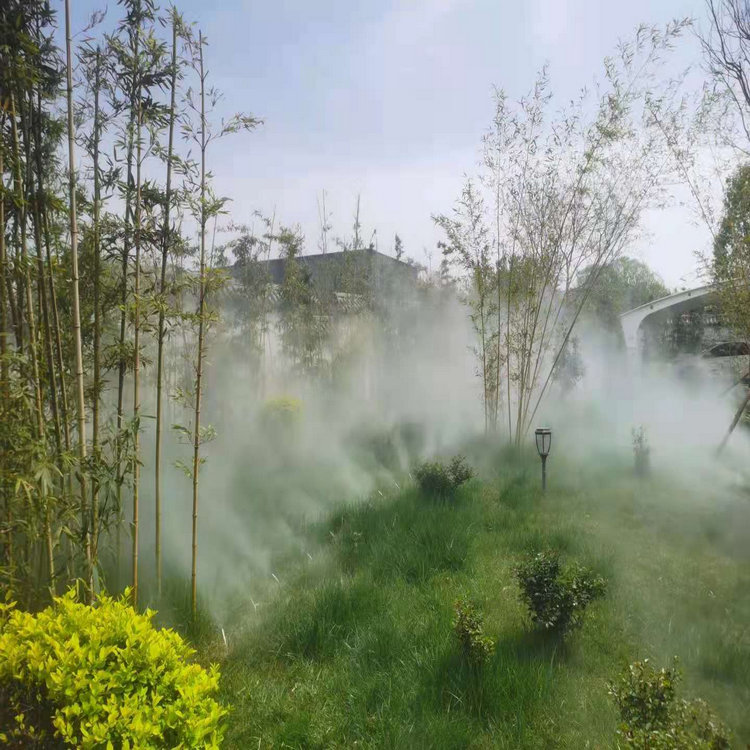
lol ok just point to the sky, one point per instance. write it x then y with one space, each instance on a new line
388 100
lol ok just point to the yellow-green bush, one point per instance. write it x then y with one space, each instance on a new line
281 414
101 677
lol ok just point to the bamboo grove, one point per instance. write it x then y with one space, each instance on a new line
104 151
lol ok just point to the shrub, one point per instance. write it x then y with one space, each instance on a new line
459 471
641 452
433 479
468 625
652 717
101 677
438 480
557 598
281 413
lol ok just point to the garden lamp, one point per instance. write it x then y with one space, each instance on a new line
543 437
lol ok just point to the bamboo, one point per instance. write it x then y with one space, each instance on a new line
4 384
162 302
201 315
137 357
3 291
77 308
21 197
56 325
97 308
42 286
124 292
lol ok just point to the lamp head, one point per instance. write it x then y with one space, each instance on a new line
543 437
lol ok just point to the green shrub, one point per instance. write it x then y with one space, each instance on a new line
652 717
557 598
101 677
433 479
468 625
459 471
281 414
441 481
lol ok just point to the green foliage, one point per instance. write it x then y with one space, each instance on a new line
468 625
731 259
437 480
557 598
619 286
570 367
102 677
459 471
682 333
652 717
303 323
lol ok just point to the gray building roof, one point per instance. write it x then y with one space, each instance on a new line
343 271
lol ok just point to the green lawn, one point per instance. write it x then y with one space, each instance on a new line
354 647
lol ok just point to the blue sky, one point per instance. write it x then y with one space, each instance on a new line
389 99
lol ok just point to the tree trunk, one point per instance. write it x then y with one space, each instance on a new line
735 421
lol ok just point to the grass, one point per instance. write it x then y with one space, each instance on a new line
355 647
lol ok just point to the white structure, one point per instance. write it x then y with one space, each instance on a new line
658 311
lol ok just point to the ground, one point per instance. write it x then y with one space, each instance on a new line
353 645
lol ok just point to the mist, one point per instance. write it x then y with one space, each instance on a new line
406 395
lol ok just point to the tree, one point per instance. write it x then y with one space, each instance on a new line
303 322
623 284
731 255
726 48
468 246
205 206
398 247
567 191
731 266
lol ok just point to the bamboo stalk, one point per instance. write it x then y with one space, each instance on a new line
42 289
97 310
160 330
4 385
124 293
30 322
77 308
137 358
201 315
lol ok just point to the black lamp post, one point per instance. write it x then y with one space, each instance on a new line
543 444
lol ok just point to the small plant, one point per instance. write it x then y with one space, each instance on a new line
652 717
557 598
641 452
101 677
476 647
441 481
